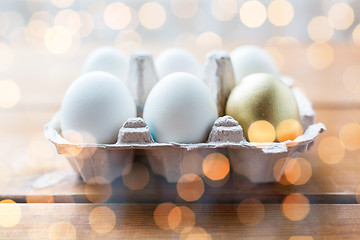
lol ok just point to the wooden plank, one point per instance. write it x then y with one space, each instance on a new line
219 221
328 184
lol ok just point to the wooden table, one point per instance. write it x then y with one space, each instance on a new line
53 202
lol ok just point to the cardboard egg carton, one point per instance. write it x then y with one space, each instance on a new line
252 160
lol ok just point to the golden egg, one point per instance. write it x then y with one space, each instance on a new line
260 102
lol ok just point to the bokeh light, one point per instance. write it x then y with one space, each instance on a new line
102 219
207 42
298 171
191 162
10 213
152 15
62 230
197 233
58 39
128 41
351 79
9 93
261 131
320 55
341 15
98 189
161 216
117 15
296 207
87 24
190 187
331 150
288 129
320 29
35 31
252 14
277 55
250 211
62 3
184 9
136 176
216 166
40 196
356 35
279 171
181 219
280 12
69 19
350 136
224 10
6 56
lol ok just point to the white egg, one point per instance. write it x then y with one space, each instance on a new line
177 60
107 59
96 105
180 109
250 59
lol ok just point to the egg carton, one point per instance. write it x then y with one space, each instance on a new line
252 160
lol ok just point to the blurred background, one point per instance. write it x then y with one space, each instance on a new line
43 45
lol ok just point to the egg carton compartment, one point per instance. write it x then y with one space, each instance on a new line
171 160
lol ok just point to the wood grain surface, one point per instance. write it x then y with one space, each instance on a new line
217 221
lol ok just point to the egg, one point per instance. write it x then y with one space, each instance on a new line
96 105
107 59
177 60
250 59
265 107
180 109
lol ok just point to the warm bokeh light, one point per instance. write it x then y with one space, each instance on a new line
10 213
216 166
277 55
296 207
6 56
161 216
117 15
62 230
9 93
261 131
87 24
152 15
35 31
341 15
191 162
250 211
181 219
288 129
280 12
62 3
224 10
102 219
184 9
320 29
197 233
207 42
351 79
320 55
98 189
40 196
356 35
128 41
58 39
252 14
279 171
331 150
298 171
190 187
301 238
136 176
69 19
350 136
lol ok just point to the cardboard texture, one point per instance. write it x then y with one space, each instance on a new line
255 161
